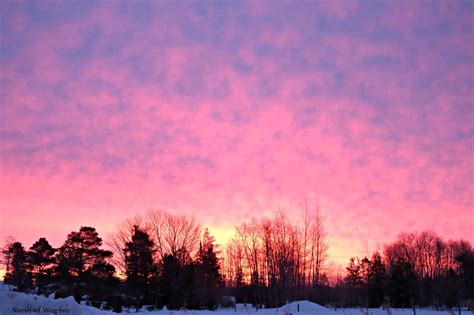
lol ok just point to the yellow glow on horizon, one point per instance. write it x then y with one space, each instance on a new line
339 252
222 234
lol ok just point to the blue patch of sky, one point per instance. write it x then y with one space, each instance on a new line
243 67
111 162
194 160
48 127
83 51
384 34
11 48
141 13
55 11
436 30
311 90
360 161
11 134
462 111
265 49
461 135
240 118
141 71
268 87
457 57
186 86
117 108
380 62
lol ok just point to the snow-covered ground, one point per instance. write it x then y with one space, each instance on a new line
14 303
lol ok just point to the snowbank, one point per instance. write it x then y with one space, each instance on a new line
304 306
21 303
15 303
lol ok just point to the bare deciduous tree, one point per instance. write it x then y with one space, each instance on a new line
319 246
279 256
176 235
123 235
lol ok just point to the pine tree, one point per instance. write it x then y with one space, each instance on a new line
78 259
41 259
18 273
354 281
171 271
208 271
239 278
353 278
140 267
402 284
81 251
465 259
377 277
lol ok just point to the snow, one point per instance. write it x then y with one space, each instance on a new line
304 306
15 303
20 303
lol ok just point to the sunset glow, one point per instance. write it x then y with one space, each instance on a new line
227 110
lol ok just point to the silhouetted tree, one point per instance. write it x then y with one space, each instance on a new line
209 278
175 235
42 262
17 273
402 284
354 281
377 277
6 258
319 247
100 283
269 261
465 259
77 259
170 282
120 237
141 270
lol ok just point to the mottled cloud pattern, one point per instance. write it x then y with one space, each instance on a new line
228 110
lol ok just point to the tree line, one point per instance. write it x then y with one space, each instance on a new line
161 259
272 261
79 267
418 269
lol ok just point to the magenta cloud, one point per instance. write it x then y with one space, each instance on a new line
235 109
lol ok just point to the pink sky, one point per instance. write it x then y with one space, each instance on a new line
228 110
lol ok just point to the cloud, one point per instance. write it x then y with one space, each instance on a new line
235 109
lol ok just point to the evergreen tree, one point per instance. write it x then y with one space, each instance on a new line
364 270
354 281
210 279
18 273
41 259
465 259
239 284
446 289
377 277
140 268
353 277
81 251
78 260
189 287
170 282
402 284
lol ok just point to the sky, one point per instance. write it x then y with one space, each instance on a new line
228 110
